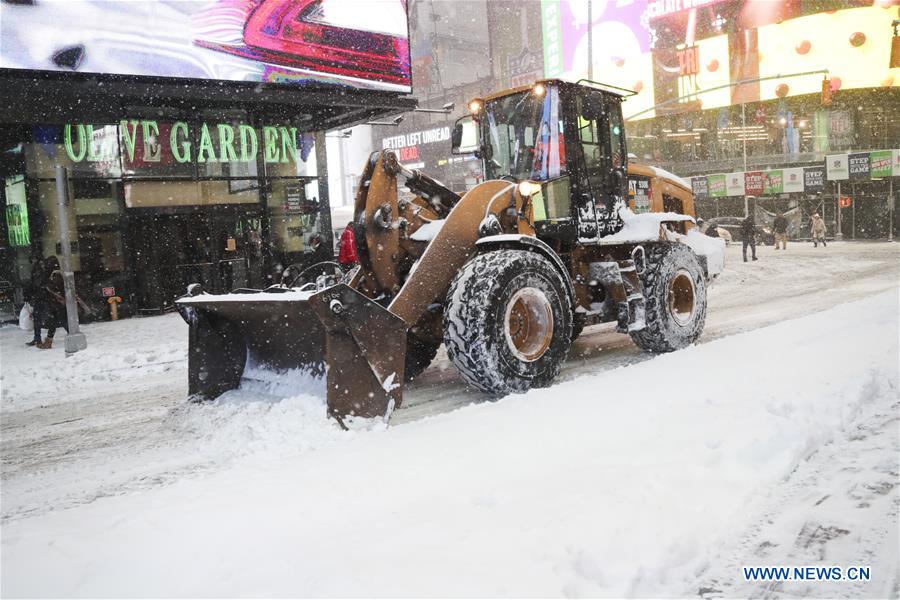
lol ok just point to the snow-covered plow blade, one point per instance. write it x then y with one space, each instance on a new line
337 333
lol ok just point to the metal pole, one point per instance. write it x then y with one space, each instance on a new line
838 235
853 210
891 211
75 340
744 139
590 40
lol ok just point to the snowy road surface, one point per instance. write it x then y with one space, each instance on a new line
763 445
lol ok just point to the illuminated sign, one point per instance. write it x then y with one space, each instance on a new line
689 61
428 136
17 212
351 43
173 142
662 8
717 44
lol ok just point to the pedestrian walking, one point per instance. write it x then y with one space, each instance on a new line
779 227
53 314
748 236
347 256
817 228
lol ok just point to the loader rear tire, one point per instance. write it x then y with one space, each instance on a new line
508 321
674 298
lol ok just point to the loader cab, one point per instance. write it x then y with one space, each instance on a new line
567 137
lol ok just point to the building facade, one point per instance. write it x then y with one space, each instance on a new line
187 161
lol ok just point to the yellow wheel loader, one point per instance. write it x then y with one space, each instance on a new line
563 232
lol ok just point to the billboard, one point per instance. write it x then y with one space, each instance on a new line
351 43
682 56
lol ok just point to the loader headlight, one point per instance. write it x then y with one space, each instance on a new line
475 107
529 188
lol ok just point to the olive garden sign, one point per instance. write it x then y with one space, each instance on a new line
217 142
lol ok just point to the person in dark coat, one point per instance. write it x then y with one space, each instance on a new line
54 314
748 235
318 251
779 227
39 297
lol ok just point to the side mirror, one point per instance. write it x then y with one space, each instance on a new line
465 137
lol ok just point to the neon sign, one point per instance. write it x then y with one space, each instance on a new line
217 142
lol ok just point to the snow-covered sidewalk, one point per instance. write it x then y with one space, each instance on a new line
632 482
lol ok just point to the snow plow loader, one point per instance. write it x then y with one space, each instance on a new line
564 232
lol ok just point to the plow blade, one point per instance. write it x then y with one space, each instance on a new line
355 343
366 353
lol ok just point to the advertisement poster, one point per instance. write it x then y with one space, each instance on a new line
717 186
836 167
351 43
735 184
792 180
773 182
814 179
753 183
699 187
880 163
859 166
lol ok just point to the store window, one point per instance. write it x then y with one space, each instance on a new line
294 217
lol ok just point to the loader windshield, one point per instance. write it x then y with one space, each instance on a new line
525 136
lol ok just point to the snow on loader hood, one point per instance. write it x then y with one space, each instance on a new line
645 227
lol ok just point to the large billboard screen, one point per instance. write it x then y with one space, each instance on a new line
352 43
683 56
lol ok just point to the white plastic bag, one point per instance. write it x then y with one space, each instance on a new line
25 317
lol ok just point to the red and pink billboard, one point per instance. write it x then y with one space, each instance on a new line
350 43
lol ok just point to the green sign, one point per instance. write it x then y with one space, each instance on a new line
716 184
880 163
773 182
17 212
217 142
553 39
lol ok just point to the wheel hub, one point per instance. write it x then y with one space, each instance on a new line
681 297
528 324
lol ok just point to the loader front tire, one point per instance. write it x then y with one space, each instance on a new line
674 297
508 321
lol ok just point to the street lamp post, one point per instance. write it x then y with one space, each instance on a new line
838 234
75 340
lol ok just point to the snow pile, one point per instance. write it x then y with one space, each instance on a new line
292 294
153 348
616 484
643 227
428 231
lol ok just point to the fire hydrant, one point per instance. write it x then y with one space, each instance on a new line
114 307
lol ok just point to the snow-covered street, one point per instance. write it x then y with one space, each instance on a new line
774 441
